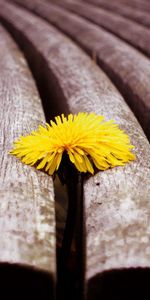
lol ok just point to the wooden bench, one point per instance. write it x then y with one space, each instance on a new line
116 213
127 68
139 16
129 31
27 216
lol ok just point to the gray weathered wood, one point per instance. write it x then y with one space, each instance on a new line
127 68
27 216
138 16
116 201
131 32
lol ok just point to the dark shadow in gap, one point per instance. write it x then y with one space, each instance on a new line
21 282
120 284
70 265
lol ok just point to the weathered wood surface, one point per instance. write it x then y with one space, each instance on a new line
127 68
136 4
134 34
116 201
139 16
27 217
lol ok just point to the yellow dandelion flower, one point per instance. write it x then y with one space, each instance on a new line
85 137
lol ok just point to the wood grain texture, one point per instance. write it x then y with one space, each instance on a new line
142 5
127 68
133 33
138 16
27 217
116 201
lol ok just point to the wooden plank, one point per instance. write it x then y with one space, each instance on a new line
127 68
27 216
141 17
116 201
134 34
136 4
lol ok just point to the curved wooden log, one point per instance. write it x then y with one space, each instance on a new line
127 68
139 16
116 201
129 31
27 216
136 4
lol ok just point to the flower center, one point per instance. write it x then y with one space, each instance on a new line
67 147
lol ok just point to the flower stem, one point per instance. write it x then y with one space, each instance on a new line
73 231
72 189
